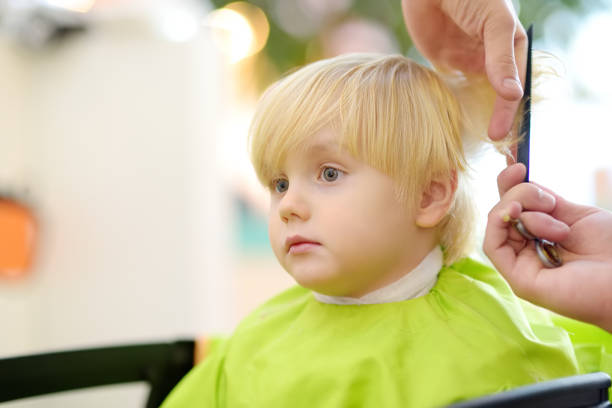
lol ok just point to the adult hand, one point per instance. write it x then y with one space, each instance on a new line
582 287
474 36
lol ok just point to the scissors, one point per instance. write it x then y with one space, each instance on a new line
547 251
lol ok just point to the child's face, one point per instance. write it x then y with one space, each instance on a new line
336 225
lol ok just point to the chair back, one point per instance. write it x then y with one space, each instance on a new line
161 365
580 391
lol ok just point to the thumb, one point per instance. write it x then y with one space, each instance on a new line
565 210
501 38
510 177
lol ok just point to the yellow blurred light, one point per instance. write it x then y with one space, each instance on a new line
80 6
232 33
239 29
257 20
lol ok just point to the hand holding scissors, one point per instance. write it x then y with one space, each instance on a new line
580 288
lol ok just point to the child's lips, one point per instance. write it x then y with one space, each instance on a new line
297 244
302 247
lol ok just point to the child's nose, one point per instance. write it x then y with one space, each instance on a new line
293 206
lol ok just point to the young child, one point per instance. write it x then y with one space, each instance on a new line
370 214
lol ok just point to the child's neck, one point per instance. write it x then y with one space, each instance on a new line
418 282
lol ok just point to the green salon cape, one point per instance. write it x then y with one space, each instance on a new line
470 336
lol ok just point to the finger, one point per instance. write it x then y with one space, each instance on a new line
502 118
566 211
524 276
518 264
531 198
521 43
499 60
495 244
510 177
504 111
505 61
545 226
501 32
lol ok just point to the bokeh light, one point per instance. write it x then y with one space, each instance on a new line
178 25
359 35
239 30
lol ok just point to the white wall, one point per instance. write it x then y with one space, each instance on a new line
113 134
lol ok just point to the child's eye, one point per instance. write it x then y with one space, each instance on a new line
280 185
330 174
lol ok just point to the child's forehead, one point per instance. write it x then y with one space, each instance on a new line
323 141
324 144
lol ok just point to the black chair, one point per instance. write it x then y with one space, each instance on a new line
580 391
161 365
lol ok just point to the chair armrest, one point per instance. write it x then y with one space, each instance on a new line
580 391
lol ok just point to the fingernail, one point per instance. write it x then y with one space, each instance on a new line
506 218
543 195
513 84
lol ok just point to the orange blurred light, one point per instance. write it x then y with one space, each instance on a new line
16 238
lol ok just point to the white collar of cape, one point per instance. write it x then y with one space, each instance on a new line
416 283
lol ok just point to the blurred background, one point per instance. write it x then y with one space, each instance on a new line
128 207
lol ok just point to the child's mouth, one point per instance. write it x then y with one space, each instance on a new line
297 244
302 247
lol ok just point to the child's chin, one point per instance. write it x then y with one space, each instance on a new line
325 284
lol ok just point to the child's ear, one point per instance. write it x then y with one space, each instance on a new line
436 200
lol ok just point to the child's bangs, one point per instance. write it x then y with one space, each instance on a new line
381 114
399 117
287 116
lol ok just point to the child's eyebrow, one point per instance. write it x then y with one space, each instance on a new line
327 147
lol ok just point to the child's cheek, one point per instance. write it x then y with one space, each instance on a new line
274 232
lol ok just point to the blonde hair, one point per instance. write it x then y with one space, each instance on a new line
398 116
